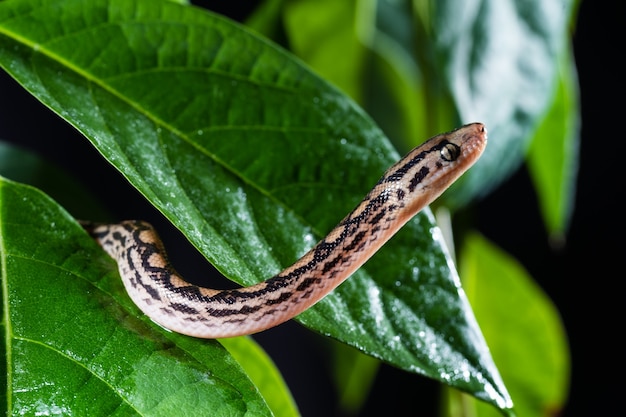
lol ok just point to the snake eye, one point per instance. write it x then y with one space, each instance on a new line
450 152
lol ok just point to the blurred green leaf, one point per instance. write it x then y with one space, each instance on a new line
323 33
253 158
265 19
523 328
354 374
261 370
553 155
73 343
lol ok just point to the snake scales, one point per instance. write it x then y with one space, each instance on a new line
404 189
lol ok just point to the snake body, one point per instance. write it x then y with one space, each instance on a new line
404 189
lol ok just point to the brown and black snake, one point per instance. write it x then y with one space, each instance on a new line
404 189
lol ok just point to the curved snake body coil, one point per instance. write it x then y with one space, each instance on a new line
404 189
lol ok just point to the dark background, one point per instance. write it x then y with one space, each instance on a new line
583 278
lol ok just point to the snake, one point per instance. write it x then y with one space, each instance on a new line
404 189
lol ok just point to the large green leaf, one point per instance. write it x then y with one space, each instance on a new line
253 158
72 342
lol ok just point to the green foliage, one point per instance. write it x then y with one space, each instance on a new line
552 158
74 344
522 327
254 157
